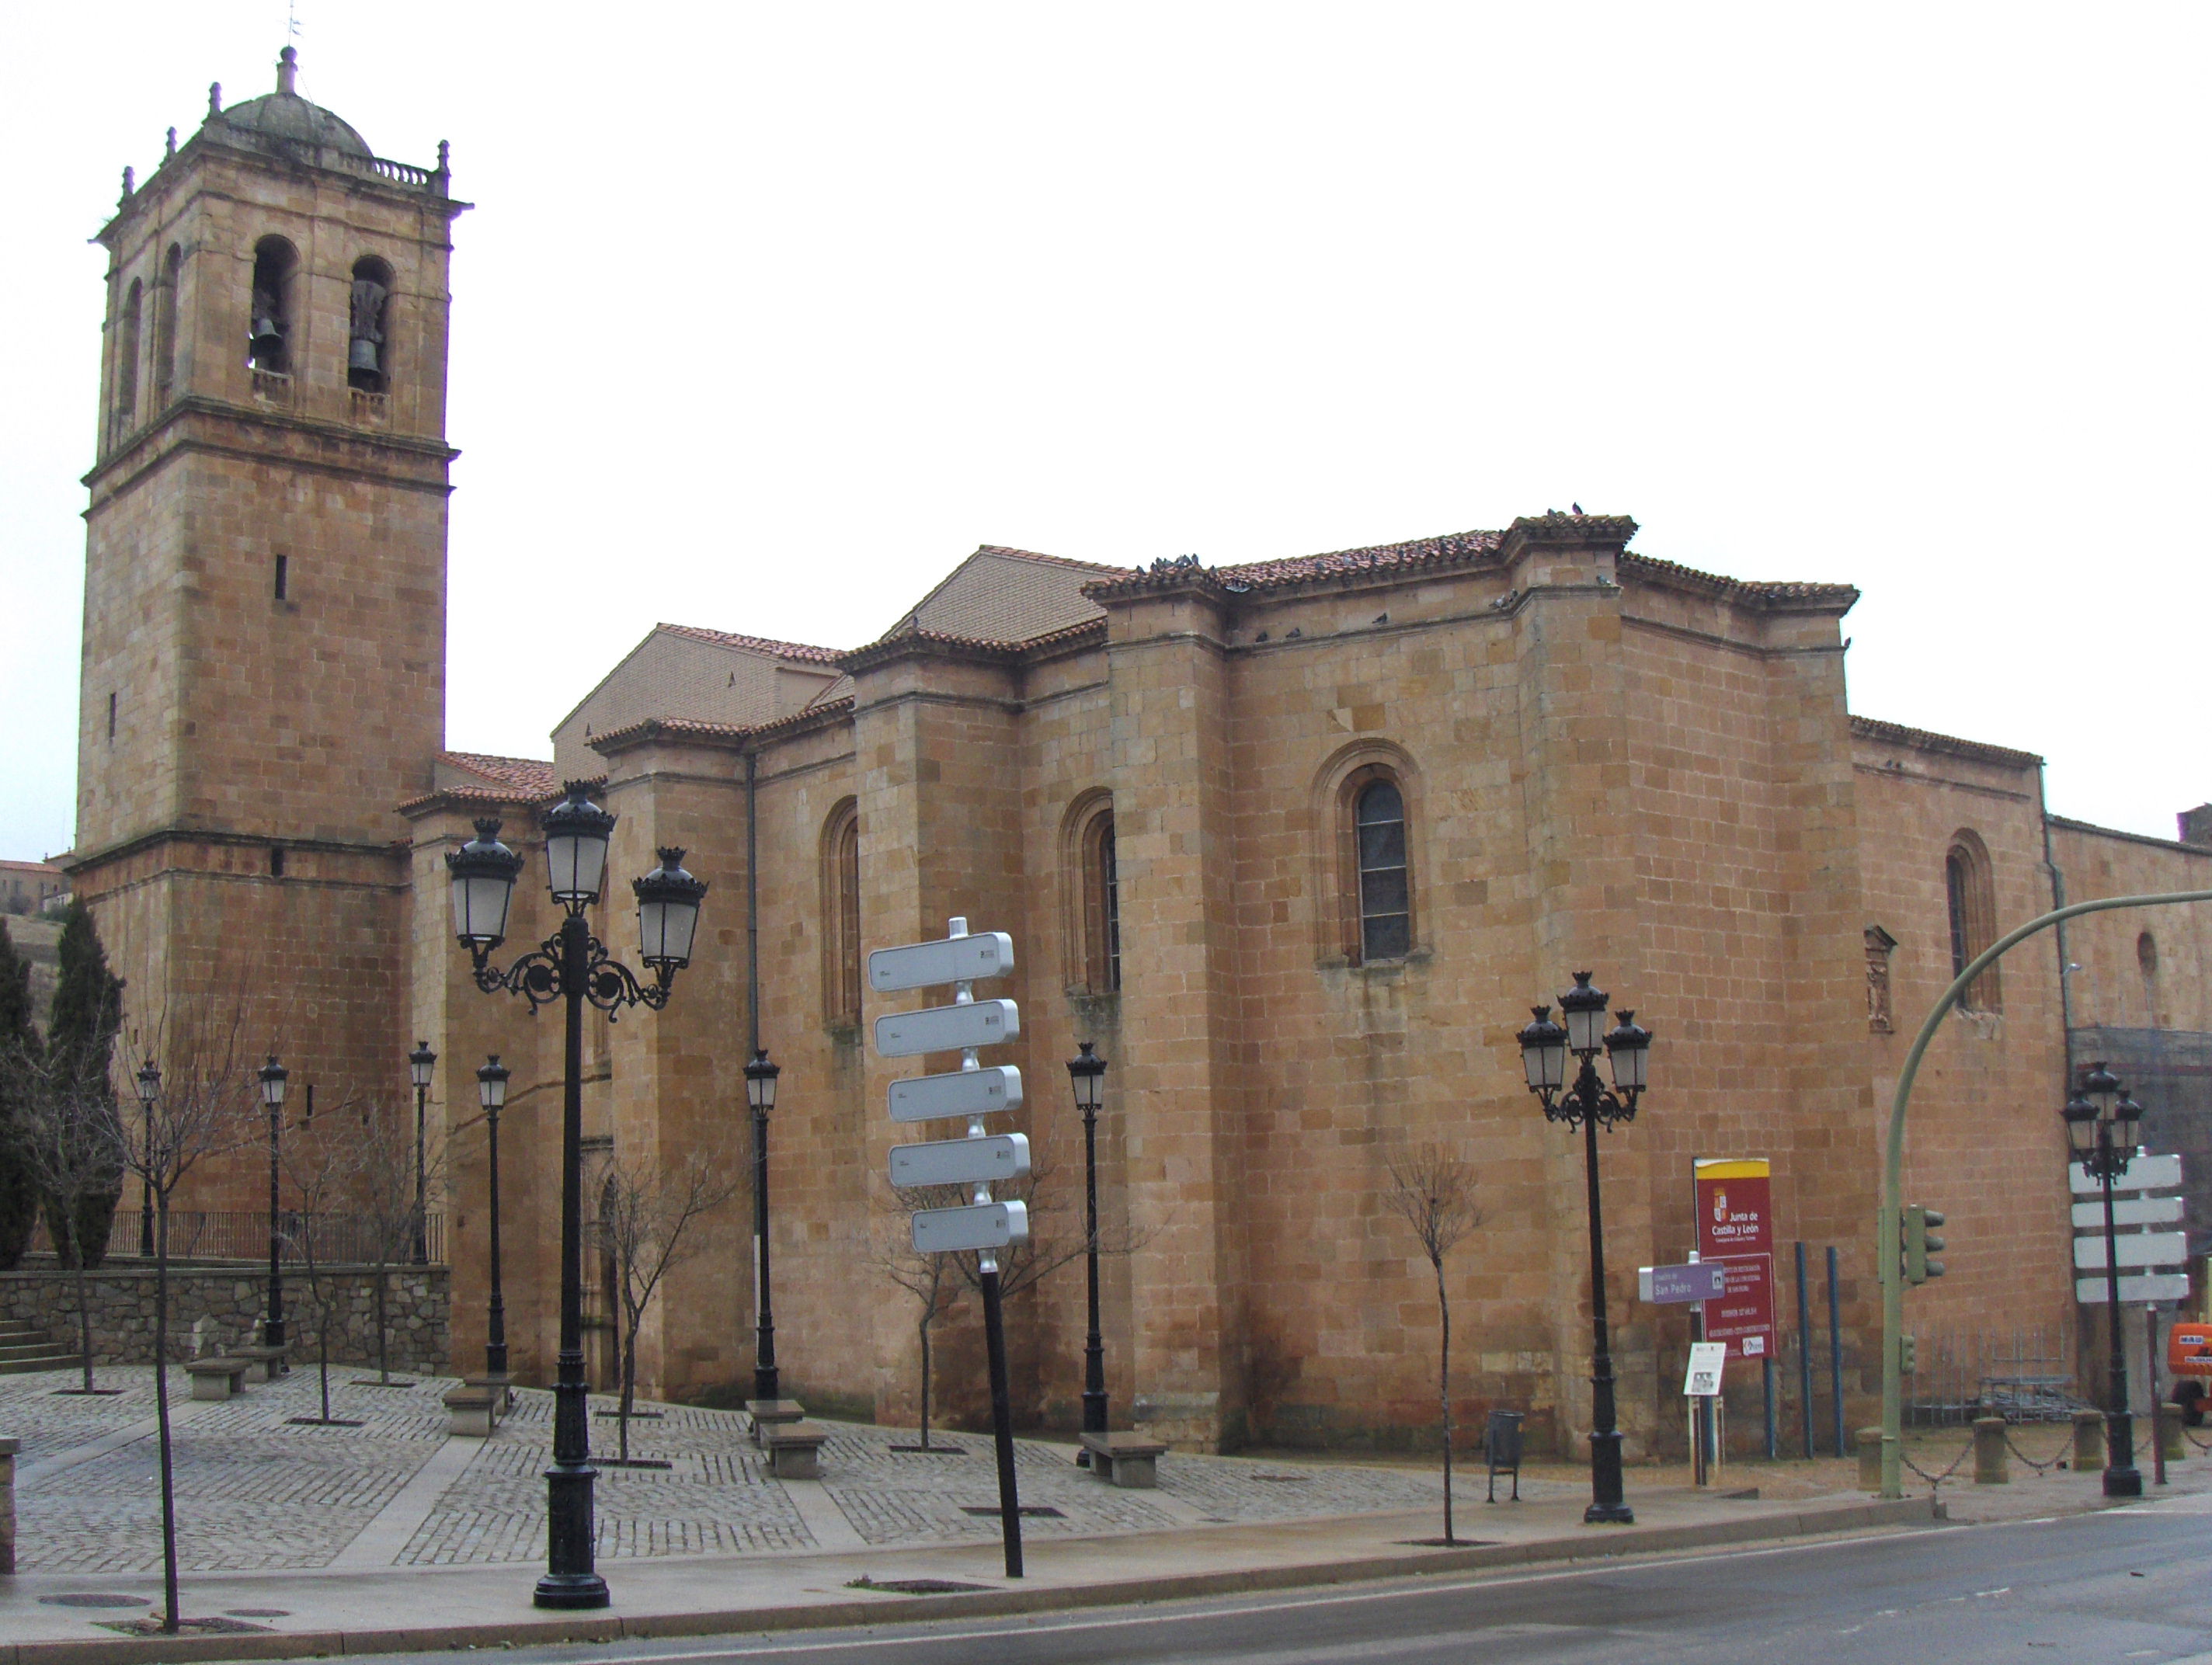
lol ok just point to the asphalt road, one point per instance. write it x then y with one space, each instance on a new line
2122 1584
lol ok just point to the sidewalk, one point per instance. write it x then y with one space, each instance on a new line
433 1551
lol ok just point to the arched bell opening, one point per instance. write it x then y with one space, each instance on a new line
368 348
269 331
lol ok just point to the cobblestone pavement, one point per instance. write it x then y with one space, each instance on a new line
256 1492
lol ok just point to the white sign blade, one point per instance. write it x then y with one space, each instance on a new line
2136 1210
952 960
961 1161
2145 1173
947 1027
979 1226
956 1093
2151 1286
2133 1249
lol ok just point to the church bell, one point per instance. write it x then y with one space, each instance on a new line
361 356
268 341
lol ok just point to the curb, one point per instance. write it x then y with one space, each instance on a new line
982 1604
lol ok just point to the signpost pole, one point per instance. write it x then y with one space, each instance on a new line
2157 1426
1836 1346
1804 1353
1766 1384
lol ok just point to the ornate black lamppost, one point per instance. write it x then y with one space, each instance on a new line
420 1063
1086 1073
273 1076
1544 1048
572 966
760 1096
491 1094
149 1091
2104 1127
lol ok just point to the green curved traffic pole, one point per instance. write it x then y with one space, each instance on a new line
1888 1245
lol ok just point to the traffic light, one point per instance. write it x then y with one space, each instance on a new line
1908 1354
1920 1242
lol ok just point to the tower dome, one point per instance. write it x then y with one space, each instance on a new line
284 115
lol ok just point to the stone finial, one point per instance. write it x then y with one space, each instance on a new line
215 100
170 148
443 172
288 71
130 184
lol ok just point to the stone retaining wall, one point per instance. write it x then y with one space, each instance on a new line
233 1299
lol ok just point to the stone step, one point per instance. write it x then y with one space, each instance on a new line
13 1327
60 1361
27 1346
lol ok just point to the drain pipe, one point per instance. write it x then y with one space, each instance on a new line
2065 980
752 899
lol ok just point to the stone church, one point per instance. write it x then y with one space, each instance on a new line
1296 844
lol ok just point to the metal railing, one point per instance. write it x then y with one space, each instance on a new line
243 1235
2020 1375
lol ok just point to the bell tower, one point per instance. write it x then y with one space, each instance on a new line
264 614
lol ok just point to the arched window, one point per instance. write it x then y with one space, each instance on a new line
1970 896
2147 954
1385 890
1101 905
126 363
841 915
269 326
368 353
165 326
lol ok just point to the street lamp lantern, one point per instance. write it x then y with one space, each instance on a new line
760 1082
1628 1048
150 1085
149 1094
483 873
420 1063
273 1076
1086 1074
1584 1008
576 834
492 1085
2127 1129
1544 1052
667 912
2080 1126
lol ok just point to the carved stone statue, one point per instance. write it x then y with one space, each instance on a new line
367 309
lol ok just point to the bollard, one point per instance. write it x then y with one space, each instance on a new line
1869 1447
2169 1432
2088 1441
1991 1458
8 1449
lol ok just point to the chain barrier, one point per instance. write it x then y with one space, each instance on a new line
2201 1444
1936 1481
2057 1461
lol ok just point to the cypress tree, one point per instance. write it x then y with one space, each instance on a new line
19 1052
80 1042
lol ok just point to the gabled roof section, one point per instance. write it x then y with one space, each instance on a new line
1445 551
798 652
1742 592
514 778
1006 596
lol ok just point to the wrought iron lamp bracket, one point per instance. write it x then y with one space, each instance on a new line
609 984
1589 1100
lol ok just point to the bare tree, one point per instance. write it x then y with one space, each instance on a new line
204 1107
72 1143
384 1186
322 1168
930 1279
1432 1190
646 1214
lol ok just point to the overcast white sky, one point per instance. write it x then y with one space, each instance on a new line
768 314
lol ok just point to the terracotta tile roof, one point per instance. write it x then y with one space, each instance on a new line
1920 739
799 651
1734 589
730 734
528 776
1452 548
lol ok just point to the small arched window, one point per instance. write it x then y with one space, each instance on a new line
165 324
368 353
126 362
1970 897
1101 905
841 915
269 326
2147 954
1386 897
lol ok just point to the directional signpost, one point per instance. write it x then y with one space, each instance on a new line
2152 1263
981 1160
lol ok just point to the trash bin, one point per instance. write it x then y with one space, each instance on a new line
1501 1450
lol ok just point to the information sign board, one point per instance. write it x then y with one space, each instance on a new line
2128 1210
961 1161
2132 1248
947 1027
2145 1172
1735 1226
1703 1379
2140 1286
983 1092
978 1226
949 960
1700 1280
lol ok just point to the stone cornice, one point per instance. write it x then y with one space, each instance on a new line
1772 597
436 452
75 861
1949 745
1566 531
721 737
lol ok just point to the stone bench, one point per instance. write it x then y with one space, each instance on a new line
473 1409
219 1379
767 1413
272 1362
794 1450
501 1386
1126 1460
